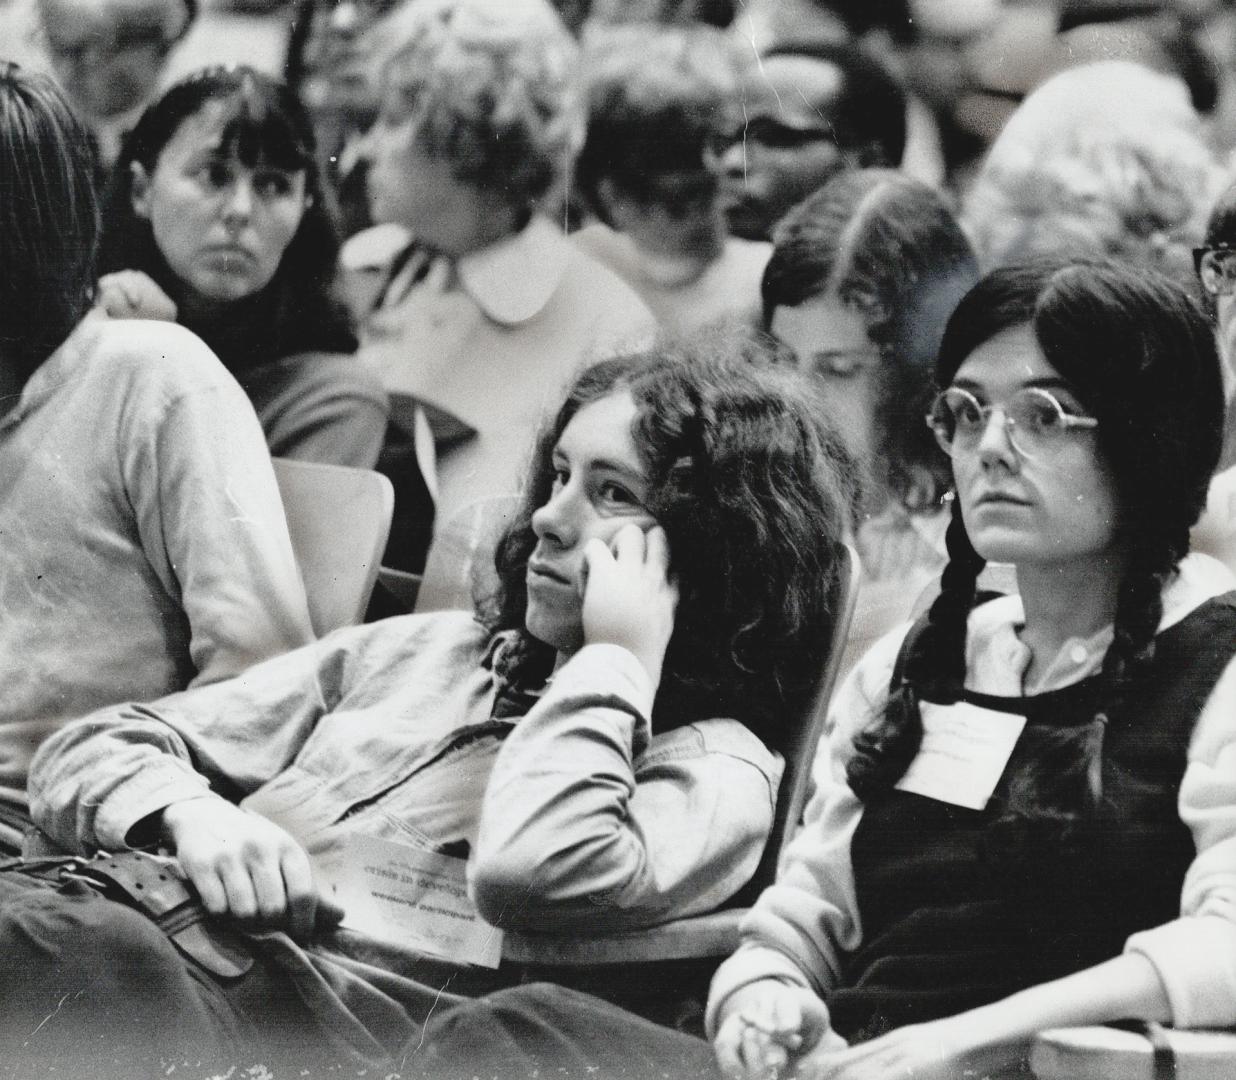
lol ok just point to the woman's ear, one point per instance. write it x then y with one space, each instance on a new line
139 189
616 210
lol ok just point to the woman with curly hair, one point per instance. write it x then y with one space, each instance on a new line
602 742
863 276
1026 813
216 217
483 311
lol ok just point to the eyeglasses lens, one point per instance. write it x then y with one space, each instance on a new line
1033 420
1218 271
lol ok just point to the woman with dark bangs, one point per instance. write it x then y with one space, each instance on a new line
216 217
1025 816
600 747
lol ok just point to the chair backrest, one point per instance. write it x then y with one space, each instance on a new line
460 560
338 518
800 755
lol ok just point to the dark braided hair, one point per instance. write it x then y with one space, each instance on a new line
1139 353
754 492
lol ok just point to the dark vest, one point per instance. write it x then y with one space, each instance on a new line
954 916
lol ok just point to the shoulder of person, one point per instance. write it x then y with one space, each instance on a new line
156 353
339 372
436 636
706 737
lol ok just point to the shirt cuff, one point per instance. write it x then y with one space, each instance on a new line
606 669
751 963
1195 957
146 793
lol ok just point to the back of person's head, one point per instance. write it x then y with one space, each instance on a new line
262 124
48 219
889 247
1138 353
1157 33
493 87
660 99
754 491
108 54
1105 159
868 118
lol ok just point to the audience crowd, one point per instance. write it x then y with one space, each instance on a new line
804 642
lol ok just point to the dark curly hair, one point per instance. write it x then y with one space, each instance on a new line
890 248
1138 351
296 312
752 490
49 219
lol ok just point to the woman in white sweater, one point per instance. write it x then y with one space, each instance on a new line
145 548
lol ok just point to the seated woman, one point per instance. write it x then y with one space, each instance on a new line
661 103
145 548
1215 262
601 739
1026 815
215 217
487 311
864 274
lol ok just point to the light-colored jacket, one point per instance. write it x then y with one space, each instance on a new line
588 818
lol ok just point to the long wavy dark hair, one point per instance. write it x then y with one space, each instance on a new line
1139 353
753 492
49 220
296 312
890 248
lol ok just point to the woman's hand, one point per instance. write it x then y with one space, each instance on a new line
767 1027
131 294
629 598
939 1050
245 866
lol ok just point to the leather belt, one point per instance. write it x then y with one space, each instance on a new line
154 885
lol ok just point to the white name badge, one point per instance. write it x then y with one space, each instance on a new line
409 897
964 750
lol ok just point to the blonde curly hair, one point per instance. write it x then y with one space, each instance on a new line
1106 159
493 85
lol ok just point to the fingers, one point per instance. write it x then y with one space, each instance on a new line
628 545
597 558
657 553
205 879
328 913
238 885
301 892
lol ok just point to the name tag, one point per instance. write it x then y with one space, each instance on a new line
964 751
409 897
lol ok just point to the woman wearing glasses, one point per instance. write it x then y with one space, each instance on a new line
1026 814
1215 264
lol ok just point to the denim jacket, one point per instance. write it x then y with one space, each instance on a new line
586 819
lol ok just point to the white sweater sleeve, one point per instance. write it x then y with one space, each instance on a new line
807 920
1195 955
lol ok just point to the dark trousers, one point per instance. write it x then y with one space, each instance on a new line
90 987
547 1031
